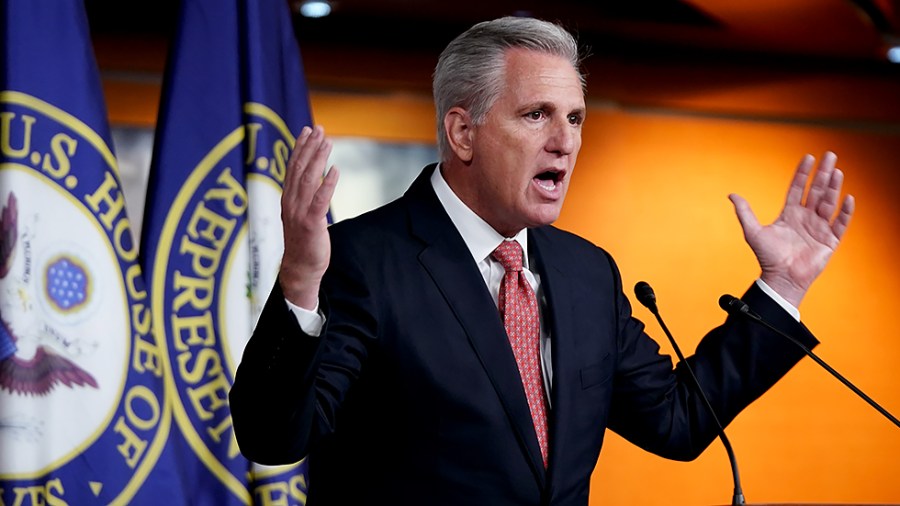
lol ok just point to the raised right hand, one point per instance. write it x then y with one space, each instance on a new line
304 208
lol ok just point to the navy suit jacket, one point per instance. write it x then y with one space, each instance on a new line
412 395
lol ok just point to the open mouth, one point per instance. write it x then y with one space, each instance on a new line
549 179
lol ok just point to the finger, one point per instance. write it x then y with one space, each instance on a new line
311 180
830 198
745 215
299 163
309 168
322 199
843 218
316 164
798 184
292 172
820 180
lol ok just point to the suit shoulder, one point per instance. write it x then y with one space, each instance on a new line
571 252
567 241
373 223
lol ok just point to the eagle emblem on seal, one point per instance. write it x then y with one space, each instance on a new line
45 369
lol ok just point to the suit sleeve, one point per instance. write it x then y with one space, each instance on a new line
289 386
658 409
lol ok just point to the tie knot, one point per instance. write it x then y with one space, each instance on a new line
509 254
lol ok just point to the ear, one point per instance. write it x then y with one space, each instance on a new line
460 133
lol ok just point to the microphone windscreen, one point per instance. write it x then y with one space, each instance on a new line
644 293
734 305
726 302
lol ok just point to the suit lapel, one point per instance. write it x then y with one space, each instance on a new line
557 288
449 263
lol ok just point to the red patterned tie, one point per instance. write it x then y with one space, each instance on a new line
519 310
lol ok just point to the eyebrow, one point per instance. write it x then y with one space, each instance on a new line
550 106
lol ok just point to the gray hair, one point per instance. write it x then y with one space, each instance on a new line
470 71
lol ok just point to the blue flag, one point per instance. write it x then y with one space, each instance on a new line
234 98
83 413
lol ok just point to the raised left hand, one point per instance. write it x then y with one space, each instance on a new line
794 249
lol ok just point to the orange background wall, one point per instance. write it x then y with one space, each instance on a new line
651 186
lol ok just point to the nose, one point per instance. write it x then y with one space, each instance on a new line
565 138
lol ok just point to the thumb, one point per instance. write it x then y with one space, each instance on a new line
745 215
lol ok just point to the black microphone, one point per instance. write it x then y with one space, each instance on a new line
645 296
735 306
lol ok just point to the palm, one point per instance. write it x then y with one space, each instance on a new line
794 249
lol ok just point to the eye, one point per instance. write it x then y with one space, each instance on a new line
535 115
575 119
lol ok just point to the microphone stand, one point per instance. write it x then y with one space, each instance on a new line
647 298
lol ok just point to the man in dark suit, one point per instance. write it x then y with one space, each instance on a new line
454 348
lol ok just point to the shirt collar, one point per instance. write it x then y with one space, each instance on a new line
480 238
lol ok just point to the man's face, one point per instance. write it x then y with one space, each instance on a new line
524 152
